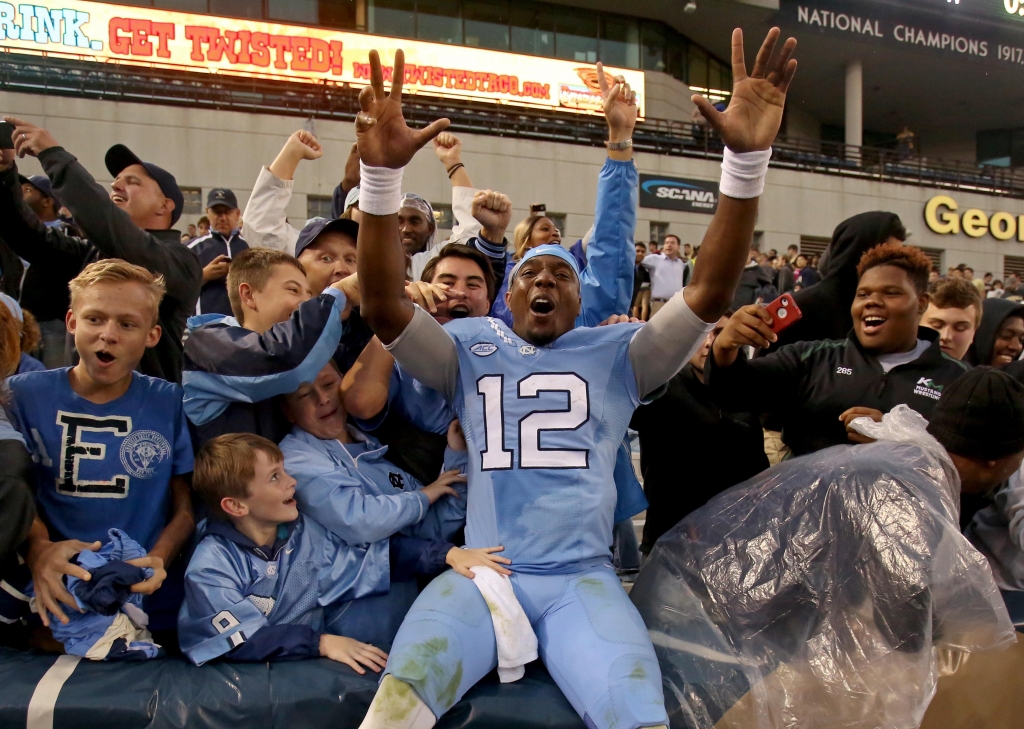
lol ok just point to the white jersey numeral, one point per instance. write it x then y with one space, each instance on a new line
531 455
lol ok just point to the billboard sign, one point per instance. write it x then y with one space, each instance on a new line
255 48
678 193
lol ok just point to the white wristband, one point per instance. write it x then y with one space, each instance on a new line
743 173
380 190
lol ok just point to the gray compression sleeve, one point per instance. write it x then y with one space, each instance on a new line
428 353
663 345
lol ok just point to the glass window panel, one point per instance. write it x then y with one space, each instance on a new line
318 206
193 197
237 8
392 17
714 74
486 24
620 42
443 217
439 20
576 36
338 13
675 57
652 38
186 6
297 11
533 30
698 75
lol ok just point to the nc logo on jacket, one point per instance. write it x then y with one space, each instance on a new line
928 388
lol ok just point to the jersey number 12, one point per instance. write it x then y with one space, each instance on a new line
531 455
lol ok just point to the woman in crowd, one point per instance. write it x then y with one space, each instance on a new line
815 389
536 230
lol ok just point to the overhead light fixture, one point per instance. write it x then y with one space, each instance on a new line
690 7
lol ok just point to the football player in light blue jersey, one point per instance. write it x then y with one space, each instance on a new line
544 407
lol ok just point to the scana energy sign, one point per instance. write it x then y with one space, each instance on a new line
204 43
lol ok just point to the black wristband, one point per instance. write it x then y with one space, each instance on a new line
454 167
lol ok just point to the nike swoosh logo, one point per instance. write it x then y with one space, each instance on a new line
289 551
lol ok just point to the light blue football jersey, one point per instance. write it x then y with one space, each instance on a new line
543 425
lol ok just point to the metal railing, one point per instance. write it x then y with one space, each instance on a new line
116 82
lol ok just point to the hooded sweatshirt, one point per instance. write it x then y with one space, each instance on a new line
826 304
993 313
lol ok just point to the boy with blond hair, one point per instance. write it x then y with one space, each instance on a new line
110 446
266 583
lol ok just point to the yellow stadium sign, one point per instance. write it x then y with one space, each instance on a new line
942 216
208 44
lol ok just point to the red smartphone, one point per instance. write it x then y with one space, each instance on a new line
784 312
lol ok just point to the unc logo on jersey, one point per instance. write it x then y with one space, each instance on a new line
482 349
527 349
142 451
396 480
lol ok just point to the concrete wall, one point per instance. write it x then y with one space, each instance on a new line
214 148
667 98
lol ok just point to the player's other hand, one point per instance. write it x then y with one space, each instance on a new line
384 139
351 175
49 562
353 653
442 486
620 319
456 438
148 587
461 560
752 120
619 102
852 414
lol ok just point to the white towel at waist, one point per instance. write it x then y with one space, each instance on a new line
517 643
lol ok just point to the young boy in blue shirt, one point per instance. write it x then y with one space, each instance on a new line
110 446
266 583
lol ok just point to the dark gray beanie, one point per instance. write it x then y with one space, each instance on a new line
981 415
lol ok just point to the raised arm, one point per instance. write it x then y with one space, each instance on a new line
607 281
749 124
748 127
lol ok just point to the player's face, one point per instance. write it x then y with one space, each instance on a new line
464 277
544 299
955 327
112 324
270 496
886 310
316 406
329 259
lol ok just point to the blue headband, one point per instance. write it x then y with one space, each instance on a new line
548 249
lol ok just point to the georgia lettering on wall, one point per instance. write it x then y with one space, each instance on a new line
190 42
942 216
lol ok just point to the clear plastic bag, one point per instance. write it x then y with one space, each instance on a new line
828 591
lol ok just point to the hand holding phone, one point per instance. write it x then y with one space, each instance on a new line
784 312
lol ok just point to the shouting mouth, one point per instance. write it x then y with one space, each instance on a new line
873 324
542 305
105 357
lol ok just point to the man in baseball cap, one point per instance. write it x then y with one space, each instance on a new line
37 193
327 250
217 248
131 222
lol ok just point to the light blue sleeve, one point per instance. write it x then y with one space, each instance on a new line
630 499
184 461
606 284
422 406
216 616
351 572
448 514
334 497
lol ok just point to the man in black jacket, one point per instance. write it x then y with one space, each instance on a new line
725 448
132 222
817 388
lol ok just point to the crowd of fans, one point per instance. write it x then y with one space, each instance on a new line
230 377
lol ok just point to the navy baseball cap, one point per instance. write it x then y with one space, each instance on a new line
41 183
316 226
221 196
119 156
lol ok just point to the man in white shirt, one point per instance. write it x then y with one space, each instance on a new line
669 272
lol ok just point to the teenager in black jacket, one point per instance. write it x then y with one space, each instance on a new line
816 388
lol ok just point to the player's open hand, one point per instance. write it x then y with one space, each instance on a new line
49 562
462 560
443 485
384 139
353 653
752 119
148 587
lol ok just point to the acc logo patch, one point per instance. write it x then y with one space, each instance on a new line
142 451
482 349
527 349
